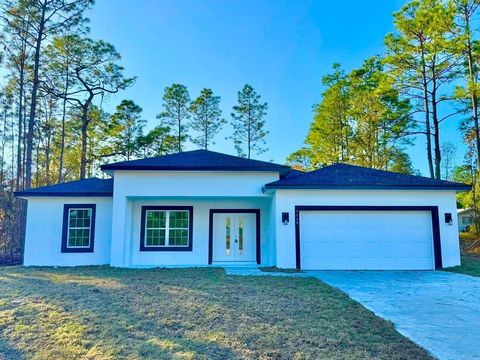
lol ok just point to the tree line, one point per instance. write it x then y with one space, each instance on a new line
427 75
53 126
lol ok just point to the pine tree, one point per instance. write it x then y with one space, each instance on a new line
248 121
207 118
124 128
176 103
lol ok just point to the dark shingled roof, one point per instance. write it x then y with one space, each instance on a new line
344 176
197 160
86 187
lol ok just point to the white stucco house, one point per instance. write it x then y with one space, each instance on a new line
202 208
465 218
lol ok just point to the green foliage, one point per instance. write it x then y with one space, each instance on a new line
400 162
420 59
207 118
302 159
470 266
361 120
176 104
56 16
381 119
124 128
97 140
465 174
331 131
93 70
157 142
248 122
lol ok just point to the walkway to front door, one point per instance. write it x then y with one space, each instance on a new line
234 237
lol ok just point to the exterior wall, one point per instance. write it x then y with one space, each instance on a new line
201 212
130 186
465 214
44 232
286 200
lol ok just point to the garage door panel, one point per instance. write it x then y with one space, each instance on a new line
357 240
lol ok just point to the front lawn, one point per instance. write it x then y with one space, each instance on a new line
106 313
470 266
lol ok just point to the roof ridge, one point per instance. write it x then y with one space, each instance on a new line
199 159
387 171
344 176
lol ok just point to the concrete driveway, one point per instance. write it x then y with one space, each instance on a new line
440 311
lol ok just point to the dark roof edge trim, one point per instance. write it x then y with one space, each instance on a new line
62 194
273 168
369 187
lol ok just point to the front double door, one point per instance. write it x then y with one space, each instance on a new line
234 237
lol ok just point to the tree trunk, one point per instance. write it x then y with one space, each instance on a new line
428 130
436 137
206 137
83 156
47 157
436 125
85 121
472 81
4 143
24 142
37 162
249 129
62 139
20 127
33 104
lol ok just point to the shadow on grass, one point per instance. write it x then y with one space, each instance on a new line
8 352
121 322
202 313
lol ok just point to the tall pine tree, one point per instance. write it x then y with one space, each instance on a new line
207 118
248 121
176 104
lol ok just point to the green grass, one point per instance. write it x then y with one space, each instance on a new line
470 266
107 313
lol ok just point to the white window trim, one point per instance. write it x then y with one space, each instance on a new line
79 227
166 228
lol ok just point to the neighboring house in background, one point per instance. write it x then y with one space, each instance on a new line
201 208
465 218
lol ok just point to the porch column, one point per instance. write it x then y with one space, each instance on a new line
118 256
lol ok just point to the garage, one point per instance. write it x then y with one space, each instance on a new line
347 217
367 238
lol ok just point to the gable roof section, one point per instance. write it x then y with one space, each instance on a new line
85 187
344 176
197 160
464 211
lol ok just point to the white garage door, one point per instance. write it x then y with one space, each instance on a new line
366 240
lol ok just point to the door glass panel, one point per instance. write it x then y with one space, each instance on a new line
227 235
240 236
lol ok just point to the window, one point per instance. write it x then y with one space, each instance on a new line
78 227
228 237
466 220
166 228
240 236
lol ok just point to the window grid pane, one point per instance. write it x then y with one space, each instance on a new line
178 237
79 227
155 237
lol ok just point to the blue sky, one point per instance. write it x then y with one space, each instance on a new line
282 48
